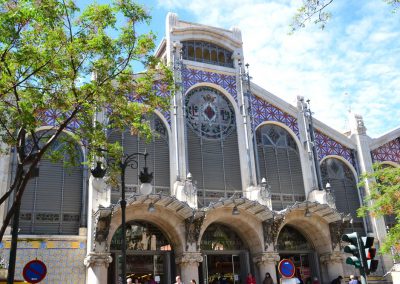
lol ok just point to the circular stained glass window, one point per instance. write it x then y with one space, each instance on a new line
209 113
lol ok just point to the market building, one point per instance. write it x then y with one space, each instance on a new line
242 179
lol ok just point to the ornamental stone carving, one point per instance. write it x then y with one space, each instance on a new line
101 226
336 230
271 229
193 226
267 257
358 125
189 258
332 257
97 259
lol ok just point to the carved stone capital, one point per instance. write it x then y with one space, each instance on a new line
189 258
266 257
97 259
332 257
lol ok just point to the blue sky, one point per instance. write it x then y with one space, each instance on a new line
354 63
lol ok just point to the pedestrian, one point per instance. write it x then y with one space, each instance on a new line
178 280
129 281
315 281
250 279
192 281
268 279
337 280
353 279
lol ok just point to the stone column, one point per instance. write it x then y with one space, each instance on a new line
189 266
97 265
359 136
333 264
266 262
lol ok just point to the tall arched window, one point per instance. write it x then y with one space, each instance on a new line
279 162
212 144
344 187
52 201
157 161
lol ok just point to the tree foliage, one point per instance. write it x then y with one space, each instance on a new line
315 11
383 200
59 66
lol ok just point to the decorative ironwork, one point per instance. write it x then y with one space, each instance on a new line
191 77
291 239
71 217
221 237
271 230
265 111
389 152
25 216
336 230
193 226
209 113
47 217
140 236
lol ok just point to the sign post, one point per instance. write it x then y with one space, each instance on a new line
34 271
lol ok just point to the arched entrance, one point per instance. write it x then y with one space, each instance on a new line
294 246
149 254
225 256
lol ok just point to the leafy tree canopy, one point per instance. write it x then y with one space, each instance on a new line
316 11
59 66
384 199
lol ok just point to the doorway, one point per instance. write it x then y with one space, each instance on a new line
224 268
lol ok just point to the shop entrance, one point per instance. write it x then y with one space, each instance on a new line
225 257
149 255
294 246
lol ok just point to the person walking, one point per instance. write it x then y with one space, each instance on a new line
178 280
337 280
250 279
268 279
353 279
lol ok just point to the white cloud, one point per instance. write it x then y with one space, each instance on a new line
357 53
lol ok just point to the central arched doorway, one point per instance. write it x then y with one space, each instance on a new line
149 254
294 246
225 256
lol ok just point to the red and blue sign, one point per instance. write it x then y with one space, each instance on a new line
34 271
286 268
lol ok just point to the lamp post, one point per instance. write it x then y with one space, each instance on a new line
128 160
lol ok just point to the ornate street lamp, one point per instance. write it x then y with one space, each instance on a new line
145 188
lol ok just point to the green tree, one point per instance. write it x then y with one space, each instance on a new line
61 64
316 11
384 199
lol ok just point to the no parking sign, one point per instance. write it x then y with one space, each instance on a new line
286 268
34 271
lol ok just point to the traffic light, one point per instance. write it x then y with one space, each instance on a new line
353 249
371 264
